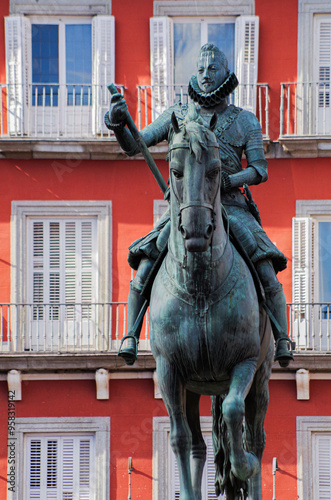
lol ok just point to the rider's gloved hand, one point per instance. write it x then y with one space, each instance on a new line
115 117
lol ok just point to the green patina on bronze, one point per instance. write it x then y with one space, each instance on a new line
207 326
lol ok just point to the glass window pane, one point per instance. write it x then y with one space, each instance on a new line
78 63
324 256
222 35
45 64
187 43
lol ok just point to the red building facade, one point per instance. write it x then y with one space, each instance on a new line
71 203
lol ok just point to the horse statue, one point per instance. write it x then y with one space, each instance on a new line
209 334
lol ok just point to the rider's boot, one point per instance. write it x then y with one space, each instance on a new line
129 347
276 302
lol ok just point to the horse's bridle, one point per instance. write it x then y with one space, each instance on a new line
183 206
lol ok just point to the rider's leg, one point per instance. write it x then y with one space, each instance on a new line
135 302
276 302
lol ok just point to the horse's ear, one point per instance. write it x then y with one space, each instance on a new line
175 123
213 122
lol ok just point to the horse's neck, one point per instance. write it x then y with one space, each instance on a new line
200 272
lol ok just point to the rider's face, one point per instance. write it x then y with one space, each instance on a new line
211 72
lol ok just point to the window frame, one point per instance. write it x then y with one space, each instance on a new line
61 22
306 428
61 7
22 210
176 8
97 426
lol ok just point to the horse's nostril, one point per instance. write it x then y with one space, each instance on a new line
183 232
209 231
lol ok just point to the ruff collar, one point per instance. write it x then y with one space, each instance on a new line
209 99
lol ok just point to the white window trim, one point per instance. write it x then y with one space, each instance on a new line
306 56
311 208
306 427
61 7
203 7
161 429
23 209
159 208
99 426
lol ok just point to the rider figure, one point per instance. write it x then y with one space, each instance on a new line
237 130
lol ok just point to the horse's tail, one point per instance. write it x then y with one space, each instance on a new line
225 482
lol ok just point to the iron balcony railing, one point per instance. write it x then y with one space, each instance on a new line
59 328
152 100
310 326
99 327
54 111
305 109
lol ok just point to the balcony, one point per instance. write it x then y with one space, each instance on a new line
99 328
152 100
305 118
55 121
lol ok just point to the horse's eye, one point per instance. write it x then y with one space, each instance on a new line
212 174
177 174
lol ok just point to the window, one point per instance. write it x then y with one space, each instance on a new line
62 272
65 458
176 40
314 458
58 69
165 472
314 63
312 273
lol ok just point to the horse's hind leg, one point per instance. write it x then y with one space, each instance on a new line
243 464
256 409
173 394
198 452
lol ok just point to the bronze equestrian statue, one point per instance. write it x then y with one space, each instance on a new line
237 131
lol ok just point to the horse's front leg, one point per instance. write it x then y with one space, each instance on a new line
243 464
173 394
199 448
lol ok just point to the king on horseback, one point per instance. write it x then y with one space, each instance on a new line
237 131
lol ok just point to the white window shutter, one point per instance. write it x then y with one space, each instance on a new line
247 46
324 74
60 467
161 48
18 65
322 466
301 265
103 69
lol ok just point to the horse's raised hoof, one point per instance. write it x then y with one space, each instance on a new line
130 351
283 353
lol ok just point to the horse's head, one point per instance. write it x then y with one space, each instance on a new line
195 170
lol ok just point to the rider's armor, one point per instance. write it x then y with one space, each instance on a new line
237 130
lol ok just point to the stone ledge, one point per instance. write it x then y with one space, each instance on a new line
306 147
78 362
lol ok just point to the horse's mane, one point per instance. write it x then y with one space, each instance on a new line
194 132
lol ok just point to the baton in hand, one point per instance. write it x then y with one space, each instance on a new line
141 145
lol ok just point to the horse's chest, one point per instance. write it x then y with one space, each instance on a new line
203 338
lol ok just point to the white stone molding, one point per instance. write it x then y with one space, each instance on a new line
60 7
102 383
14 382
175 8
98 426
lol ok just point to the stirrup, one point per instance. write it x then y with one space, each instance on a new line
129 354
284 353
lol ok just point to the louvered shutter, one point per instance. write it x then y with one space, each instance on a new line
321 467
324 74
247 41
18 64
103 69
161 48
210 469
60 467
301 266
